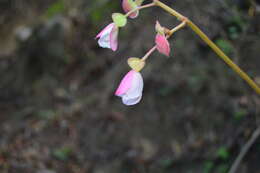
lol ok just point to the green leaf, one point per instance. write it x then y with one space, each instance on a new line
208 166
166 163
96 15
225 46
62 153
233 32
55 8
119 19
223 168
223 153
46 114
240 114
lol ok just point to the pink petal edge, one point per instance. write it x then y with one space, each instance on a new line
114 38
107 27
127 7
125 83
162 44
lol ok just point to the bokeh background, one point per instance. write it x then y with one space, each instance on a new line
58 113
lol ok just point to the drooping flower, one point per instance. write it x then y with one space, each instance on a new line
108 37
131 88
129 5
162 44
161 41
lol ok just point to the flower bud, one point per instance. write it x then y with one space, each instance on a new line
136 64
119 19
129 5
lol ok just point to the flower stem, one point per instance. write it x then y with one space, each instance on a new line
176 28
212 45
148 53
139 8
169 10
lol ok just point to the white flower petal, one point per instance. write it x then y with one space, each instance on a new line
104 40
131 101
137 86
134 94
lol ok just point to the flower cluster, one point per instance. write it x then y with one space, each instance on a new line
131 87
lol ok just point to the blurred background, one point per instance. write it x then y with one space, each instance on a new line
58 113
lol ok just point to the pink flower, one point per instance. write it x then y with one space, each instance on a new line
131 88
108 37
129 5
162 44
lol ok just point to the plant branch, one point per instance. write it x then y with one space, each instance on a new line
212 45
169 10
176 28
244 150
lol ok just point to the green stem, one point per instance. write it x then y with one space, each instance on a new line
177 28
148 53
212 45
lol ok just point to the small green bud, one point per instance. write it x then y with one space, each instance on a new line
159 29
119 19
136 64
